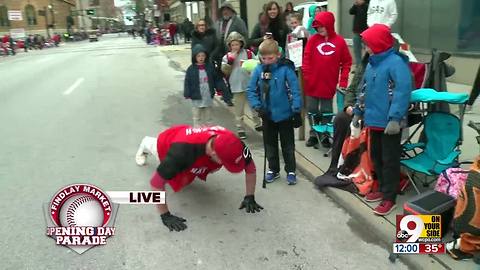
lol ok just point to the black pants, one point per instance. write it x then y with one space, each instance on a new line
385 153
341 129
285 129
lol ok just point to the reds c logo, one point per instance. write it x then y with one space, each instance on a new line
326 48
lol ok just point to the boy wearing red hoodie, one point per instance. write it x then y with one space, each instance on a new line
383 105
326 61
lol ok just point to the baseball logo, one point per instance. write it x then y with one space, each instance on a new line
80 205
81 210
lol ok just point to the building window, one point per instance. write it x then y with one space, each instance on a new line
4 16
31 15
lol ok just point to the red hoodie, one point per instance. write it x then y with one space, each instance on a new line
325 60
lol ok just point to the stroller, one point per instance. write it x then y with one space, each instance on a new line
438 147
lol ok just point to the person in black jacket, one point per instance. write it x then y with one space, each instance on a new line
204 36
200 82
277 26
359 12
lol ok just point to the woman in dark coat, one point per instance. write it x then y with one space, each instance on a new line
259 31
204 36
276 25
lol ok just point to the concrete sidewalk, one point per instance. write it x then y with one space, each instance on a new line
312 163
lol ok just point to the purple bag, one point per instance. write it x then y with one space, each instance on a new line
451 181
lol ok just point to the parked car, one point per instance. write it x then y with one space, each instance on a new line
304 7
93 35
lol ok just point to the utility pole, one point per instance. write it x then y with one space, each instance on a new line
52 13
80 5
45 10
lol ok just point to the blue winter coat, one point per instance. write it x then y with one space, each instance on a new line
192 77
283 101
385 70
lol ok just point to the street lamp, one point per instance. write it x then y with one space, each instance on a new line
52 12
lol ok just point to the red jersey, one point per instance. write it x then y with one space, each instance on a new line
181 150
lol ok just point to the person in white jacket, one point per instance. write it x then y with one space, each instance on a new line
382 12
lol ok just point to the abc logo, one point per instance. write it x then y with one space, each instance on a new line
403 235
409 228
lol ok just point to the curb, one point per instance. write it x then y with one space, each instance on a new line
357 208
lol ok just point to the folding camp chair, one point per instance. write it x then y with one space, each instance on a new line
324 130
442 136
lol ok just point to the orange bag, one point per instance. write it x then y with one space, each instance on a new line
356 164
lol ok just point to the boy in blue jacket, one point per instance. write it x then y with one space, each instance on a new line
200 83
274 93
383 103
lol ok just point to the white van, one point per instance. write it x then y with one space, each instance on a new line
304 7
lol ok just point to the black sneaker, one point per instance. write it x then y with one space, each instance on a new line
312 141
242 135
229 103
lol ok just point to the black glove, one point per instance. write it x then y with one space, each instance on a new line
297 120
173 222
250 204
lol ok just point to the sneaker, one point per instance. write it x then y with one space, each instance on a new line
453 249
242 135
271 176
312 141
291 178
374 197
229 103
141 159
384 208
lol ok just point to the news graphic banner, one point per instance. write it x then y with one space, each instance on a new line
81 216
418 234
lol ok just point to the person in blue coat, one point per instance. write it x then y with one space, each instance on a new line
273 92
383 104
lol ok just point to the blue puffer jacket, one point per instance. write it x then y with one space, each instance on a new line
283 101
377 104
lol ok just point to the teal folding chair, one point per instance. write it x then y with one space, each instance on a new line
325 130
441 149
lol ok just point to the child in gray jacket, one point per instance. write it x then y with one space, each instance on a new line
238 78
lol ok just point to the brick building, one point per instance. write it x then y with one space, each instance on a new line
26 15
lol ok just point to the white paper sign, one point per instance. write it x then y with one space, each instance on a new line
15 15
295 52
17 33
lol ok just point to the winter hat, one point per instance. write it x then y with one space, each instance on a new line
235 36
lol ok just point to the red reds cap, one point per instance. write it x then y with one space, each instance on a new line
229 150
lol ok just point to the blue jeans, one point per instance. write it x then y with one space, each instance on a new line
357 48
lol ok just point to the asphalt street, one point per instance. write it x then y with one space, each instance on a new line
77 114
